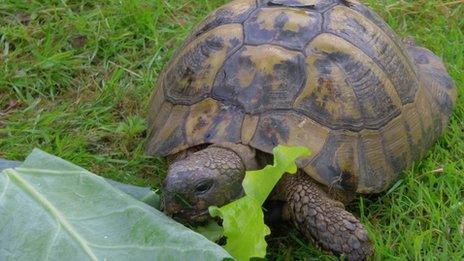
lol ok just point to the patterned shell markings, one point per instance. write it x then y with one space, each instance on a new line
305 72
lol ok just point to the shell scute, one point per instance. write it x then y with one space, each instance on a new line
336 162
435 79
210 121
191 73
414 129
165 136
327 97
369 95
372 162
319 5
288 27
260 78
430 115
396 146
235 12
377 44
289 128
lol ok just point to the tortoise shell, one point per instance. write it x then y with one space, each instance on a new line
326 74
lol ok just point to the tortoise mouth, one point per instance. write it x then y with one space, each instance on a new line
184 213
192 215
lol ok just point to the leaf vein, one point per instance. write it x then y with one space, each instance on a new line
5 188
164 247
107 214
47 205
49 171
49 250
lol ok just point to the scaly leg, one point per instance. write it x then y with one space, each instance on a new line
323 219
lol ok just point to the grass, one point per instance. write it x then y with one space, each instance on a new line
75 77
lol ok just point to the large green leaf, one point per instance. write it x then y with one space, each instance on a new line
53 210
144 194
243 219
7 164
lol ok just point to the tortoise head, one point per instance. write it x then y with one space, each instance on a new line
210 177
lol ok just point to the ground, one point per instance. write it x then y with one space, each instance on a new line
75 78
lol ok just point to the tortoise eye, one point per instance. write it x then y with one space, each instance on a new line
203 186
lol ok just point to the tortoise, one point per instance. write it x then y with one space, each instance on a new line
329 75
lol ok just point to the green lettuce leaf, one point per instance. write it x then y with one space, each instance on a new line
243 219
53 210
211 231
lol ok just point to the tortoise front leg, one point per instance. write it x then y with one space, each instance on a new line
325 220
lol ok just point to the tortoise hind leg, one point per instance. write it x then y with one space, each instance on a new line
324 220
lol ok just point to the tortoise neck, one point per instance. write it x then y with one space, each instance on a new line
246 153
